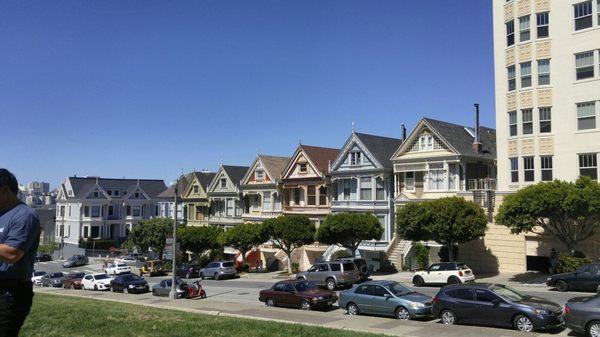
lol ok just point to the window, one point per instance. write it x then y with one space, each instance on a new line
510 33
346 186
136 195
379 189
583 15
259 175
485 295
302 168
267 201
69 210
128 210
111 210
461 294
355 158
546 165
229 207
586 116
543 21
96 194
525 75
588 165
85 232
527 121
335 267
543 72
322 195
524 32
437 180
409 181
297 196
512 82
528 168
545 120
95 211
365 188
514 170
223 183
512 123
116 193
109 192
136 211
196 189
95 231
584 65
379 291
311 195
363 290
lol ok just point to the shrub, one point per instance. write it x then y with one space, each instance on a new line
48 248
340 254
567 263
444 256
422 255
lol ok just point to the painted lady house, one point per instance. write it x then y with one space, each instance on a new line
225 196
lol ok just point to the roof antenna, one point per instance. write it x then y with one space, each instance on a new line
300 142
353 127
138 182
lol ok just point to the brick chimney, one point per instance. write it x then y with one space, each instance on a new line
476 143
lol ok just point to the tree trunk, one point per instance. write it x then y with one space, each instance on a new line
288 252
451 253
243 252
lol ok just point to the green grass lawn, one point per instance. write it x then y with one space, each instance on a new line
54 315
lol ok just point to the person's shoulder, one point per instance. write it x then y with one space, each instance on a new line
23 211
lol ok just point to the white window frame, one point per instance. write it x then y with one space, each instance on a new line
409 183
355 158
588 161
527 122
546 165
259 175
512 77
525 69
540 22
513 124
543 71
222 183
266 204
545 116
303 168
514 168
580 65
579 13
524 28
593 116
509 34
528 167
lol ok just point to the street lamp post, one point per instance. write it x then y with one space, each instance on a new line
173 293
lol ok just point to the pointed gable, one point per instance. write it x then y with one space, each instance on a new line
269 168
364 151
310 162
227 179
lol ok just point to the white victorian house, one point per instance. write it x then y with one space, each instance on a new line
225 196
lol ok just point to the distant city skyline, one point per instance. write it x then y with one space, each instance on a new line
148 89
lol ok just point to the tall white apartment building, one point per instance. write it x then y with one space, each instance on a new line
547 72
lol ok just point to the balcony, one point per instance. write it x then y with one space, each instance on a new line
364 204
482 184
224 219
307 209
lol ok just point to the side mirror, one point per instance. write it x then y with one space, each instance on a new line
496 302
387 296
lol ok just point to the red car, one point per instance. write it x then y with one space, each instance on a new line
298 294
73 281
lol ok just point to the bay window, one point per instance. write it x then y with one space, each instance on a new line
409 181
311 195
379 189
436 177
266 201
366 188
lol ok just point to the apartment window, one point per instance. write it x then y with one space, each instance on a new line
86 211
323 195
355 158
545 120
524 32
543 20
223 183
546 165
514 170
409 181
584 65
95 211
379 189
528 168
543 72
297 196
588 165
259 175
425 142
583 15
512 82
229 205
62 211
436 177
302 168
311 195
512 123
347 185
527 120
598 9
586 116
365 189
510 33
525 75
196 188
267 201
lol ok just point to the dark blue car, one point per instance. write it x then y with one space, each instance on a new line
495 305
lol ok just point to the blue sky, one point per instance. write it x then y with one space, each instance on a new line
150 88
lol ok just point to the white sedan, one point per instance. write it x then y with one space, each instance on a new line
117 269
96 282
37 276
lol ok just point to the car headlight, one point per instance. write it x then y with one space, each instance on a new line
541 312
131 286
416 305
549 279
317 298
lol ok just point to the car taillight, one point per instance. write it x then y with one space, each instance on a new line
567 310
460 273
435 299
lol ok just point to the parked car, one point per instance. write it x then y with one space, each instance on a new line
129 283
117 269
361 266
42 257
163 288
331 274
53 280
297 294
385 298
96 282
188 270
495 304
218 270
443 273
586 278
36 277
582 315
76 261
73 281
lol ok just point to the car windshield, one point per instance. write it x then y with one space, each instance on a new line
77 275
121 265
101 276
39 273
398 289
462 266
507 293
53 275
304 286
131 277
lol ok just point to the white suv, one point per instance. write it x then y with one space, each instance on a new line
444 273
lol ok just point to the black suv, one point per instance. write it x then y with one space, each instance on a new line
497 305
586 278
188 270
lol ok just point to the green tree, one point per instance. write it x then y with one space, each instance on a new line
290 232
349 230
449 221
568 211
151 234
198 239
244 237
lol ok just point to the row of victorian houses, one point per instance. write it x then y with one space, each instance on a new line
369 174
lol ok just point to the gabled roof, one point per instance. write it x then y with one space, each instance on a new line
462 140
81 186
235 173
182 185
204 178
320 156
274 165
382 148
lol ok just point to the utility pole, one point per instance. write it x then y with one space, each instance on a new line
173 293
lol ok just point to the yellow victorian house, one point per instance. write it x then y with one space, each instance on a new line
195 199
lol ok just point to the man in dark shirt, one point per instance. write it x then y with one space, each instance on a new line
19 240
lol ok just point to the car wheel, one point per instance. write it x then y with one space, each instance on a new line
330 283
203 295
305 305
82 287
202 276
352 309
402 313
95 287
562 285
125 290
418 281
154 293
453 280
523 323
216 276
593 329
270 302
448 317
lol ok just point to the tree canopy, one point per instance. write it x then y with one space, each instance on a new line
349 230
569 211
448 221
245 236
151 234
290 232
198 239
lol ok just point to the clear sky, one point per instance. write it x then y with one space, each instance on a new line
146 89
